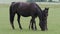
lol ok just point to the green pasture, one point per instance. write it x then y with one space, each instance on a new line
53 21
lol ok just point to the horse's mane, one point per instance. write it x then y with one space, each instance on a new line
38 7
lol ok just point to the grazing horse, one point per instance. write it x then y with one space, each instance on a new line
43 24
25 10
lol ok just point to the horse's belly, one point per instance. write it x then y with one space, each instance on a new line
24 14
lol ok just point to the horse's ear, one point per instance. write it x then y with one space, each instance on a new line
13 3
46 8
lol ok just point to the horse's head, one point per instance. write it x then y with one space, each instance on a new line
43 21
45 12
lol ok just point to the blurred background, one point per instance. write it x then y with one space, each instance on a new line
9 1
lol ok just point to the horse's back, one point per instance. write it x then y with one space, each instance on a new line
24 8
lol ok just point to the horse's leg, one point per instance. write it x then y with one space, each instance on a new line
46 25
18 19
33 24
12 20
30 24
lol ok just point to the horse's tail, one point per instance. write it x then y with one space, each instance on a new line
11 15
12 7
11 12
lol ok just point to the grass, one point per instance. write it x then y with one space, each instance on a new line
53 21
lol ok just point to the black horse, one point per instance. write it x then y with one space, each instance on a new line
25 10
43 23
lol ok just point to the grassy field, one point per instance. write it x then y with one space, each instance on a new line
53 21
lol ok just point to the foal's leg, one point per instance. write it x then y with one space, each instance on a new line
18 19
12 20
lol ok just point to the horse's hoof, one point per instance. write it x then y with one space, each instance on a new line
13 28
20 29
43 30
35 30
